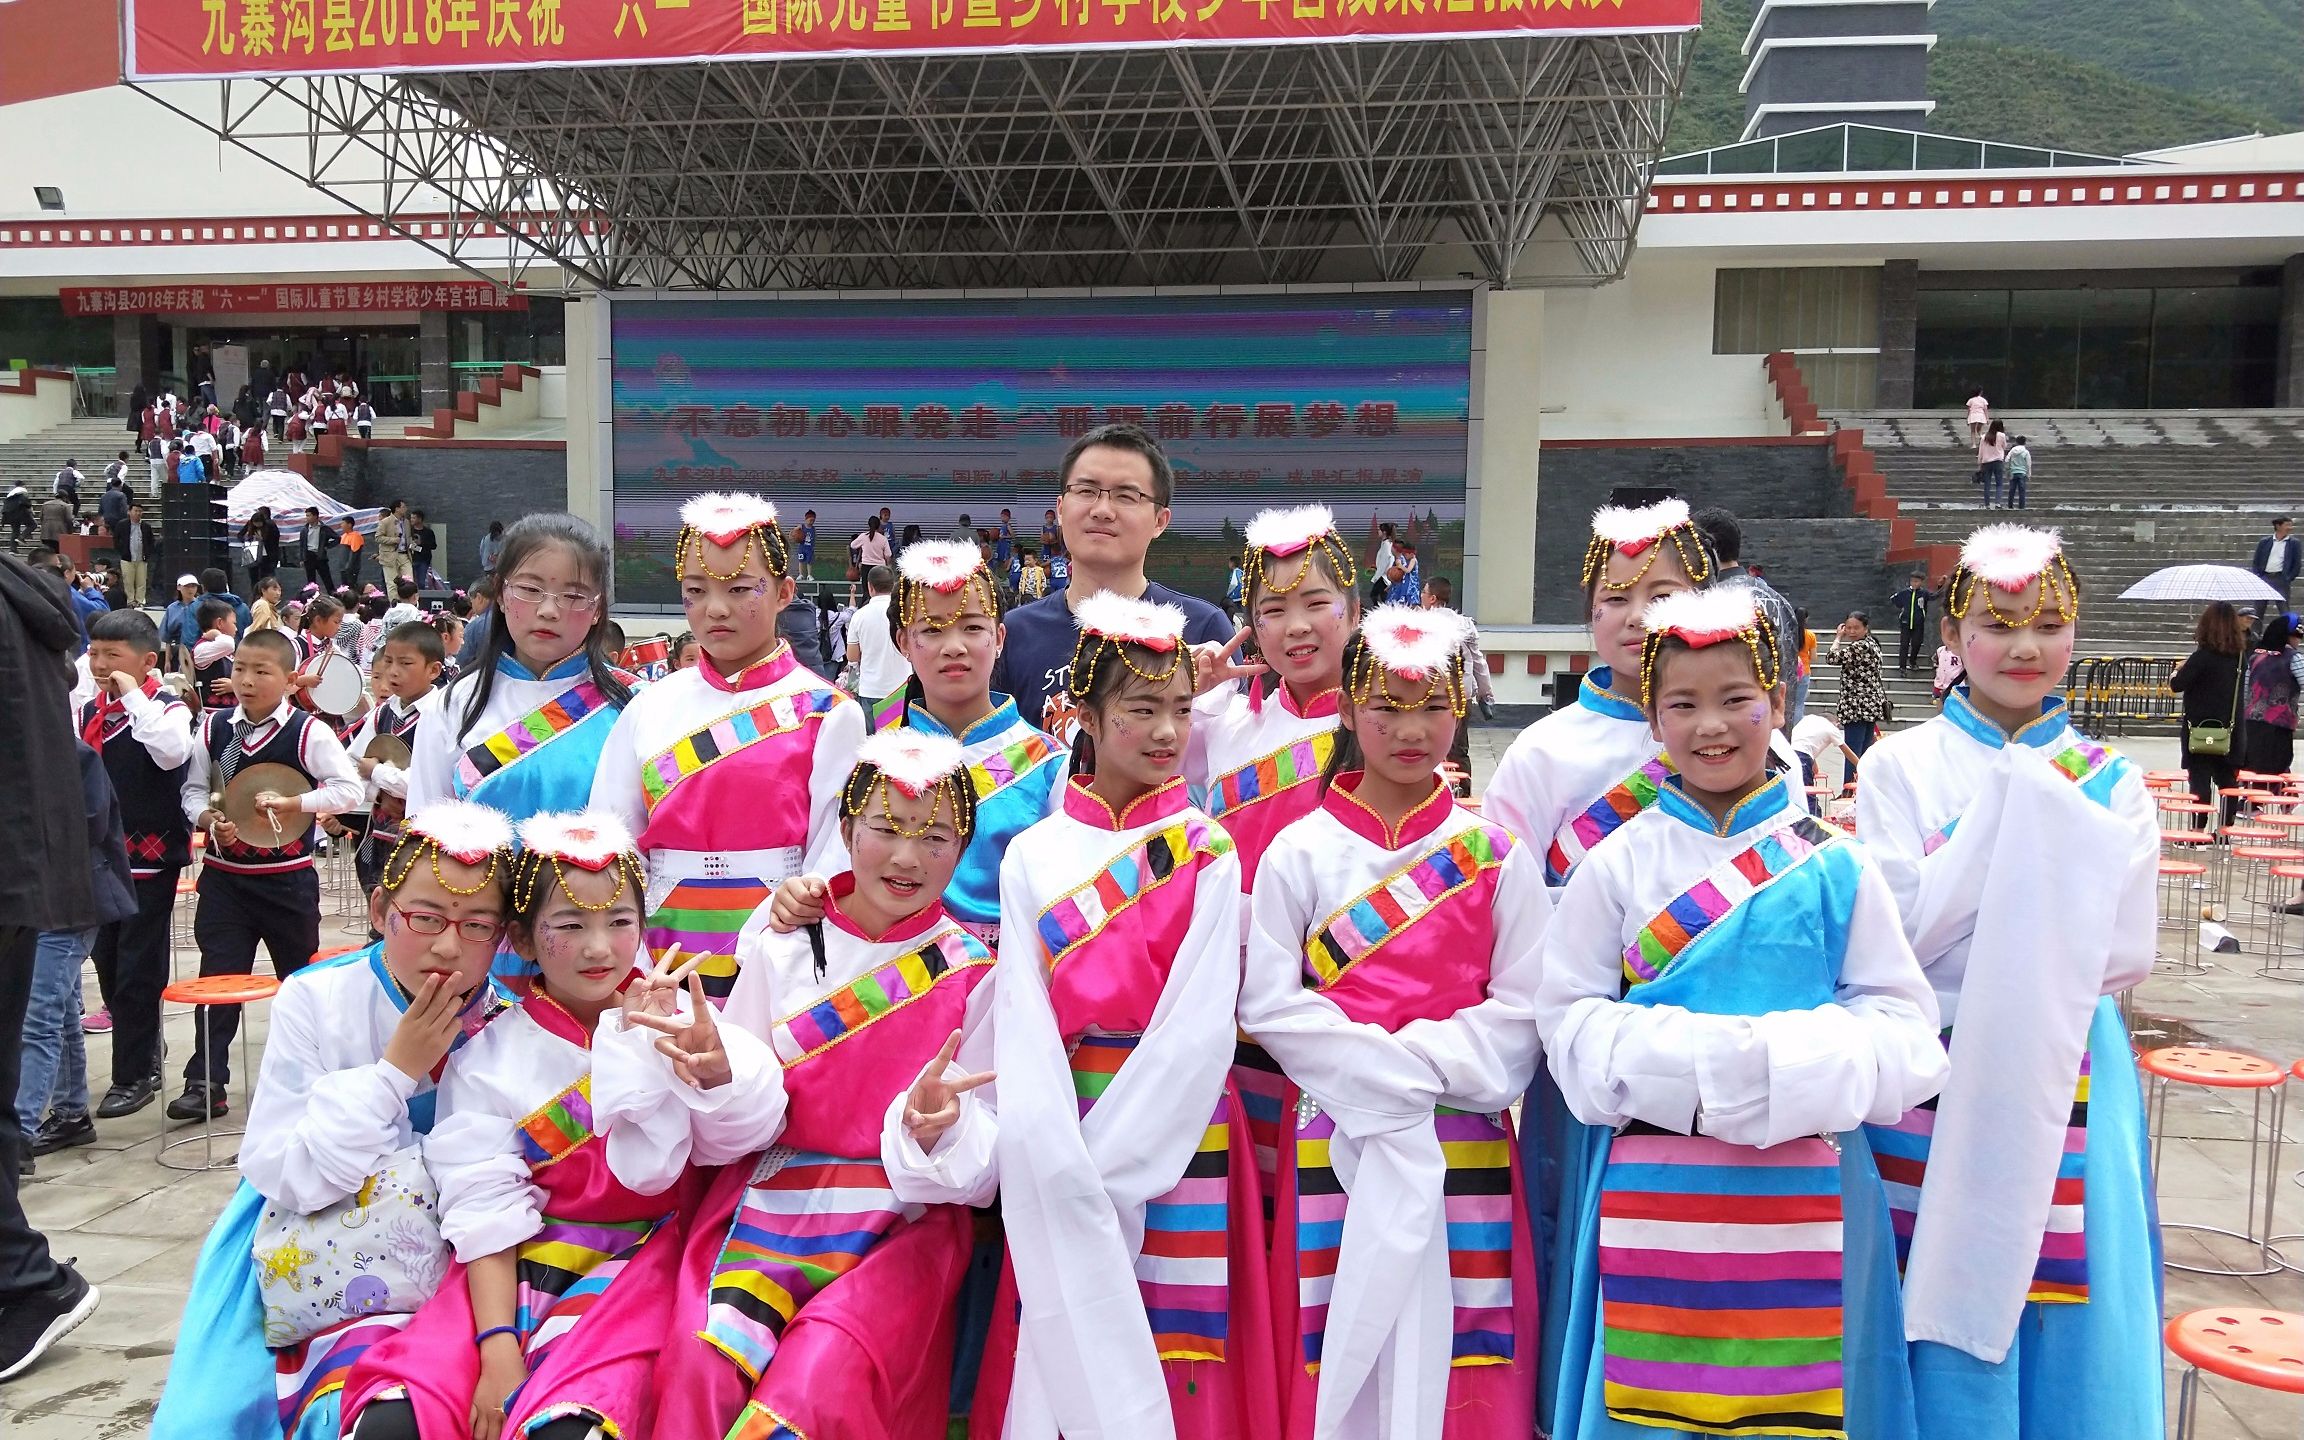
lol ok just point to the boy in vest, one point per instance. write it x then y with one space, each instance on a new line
144 734
406 668
251 892
219 627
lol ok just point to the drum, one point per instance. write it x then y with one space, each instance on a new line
338 692
387 809
648 659
238 802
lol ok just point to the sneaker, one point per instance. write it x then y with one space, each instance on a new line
199 1101
127 1099
99 1023
32 1326
61 1132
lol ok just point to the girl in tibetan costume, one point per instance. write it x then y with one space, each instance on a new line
810 1290
1570 781
2023 857
1258 754
1133 1303
730 771
1392 973
281 1306
569 1166
1727 997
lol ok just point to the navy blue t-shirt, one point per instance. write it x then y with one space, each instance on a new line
1037 659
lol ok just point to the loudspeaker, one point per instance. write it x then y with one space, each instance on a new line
192 535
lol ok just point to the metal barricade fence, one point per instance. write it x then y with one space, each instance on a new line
2116 694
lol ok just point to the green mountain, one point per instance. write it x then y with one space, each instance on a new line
1997 76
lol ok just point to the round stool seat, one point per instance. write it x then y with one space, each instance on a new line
2170 776
2264 1348
2278 854
2186 837
222 990
187 886
2188 807
2191 867
333 952
2261 833
2219 1069
2284 822
2290 870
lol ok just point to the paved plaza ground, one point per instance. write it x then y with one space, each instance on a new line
135 1229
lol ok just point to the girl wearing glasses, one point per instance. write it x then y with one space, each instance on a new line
357 1045
573 1150
730 773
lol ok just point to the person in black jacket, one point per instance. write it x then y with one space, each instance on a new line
2210 682
45 884
312 549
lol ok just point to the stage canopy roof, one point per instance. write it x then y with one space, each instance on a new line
759 145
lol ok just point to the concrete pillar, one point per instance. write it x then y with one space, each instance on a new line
1899 333
435 381
590 417
2288 375
1500 499
135 354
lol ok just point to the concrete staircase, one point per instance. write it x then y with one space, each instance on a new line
2131 492
94 441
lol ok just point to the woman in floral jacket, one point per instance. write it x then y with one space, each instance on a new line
1863 698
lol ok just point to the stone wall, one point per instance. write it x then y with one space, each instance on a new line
460 488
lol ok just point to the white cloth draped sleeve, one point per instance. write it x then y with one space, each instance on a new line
1750 1080
616 784
1517 798
964 1167
1074 1191
488 1201
658 1125
837 741
338 786
432 762
162 727
315 1135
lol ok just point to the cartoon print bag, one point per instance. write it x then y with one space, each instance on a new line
376 1252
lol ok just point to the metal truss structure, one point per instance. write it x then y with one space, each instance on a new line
1266 164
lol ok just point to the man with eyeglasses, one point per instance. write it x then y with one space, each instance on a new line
1112 504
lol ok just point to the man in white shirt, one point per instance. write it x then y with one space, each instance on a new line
881 667
204 446
1815 737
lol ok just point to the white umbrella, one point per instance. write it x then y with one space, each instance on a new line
2201 582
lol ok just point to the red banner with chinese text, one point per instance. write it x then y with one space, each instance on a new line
172 39
295 299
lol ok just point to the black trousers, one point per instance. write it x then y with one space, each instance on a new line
1909 648
316 573
236 913
25 1265
131 970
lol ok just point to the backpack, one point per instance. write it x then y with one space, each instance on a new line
2272 690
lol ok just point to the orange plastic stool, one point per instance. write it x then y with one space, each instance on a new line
2276 966
2263 1348
2224 1070
201 992
2178 908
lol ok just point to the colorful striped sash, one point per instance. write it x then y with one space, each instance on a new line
1278 771
868 997
308 1373
1081 914
1183 1268
1603 818
1720 1285
564 1269
805 1220
1003 767
1402 898
888 711
2079 762
1263 1091
555 1130
704 917
1735 880
1477 1205
757 1422
779 715
556 717
2060 1276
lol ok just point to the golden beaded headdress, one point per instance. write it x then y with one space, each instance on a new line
916 764
2002 560
1620 531
593 840
942 567
469 834
730 521
1402 656
1111 625
1279 534
1700 618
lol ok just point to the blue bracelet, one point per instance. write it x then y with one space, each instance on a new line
493 1331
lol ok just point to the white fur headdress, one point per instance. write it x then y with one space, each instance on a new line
462 830
588 839
1704 617
1633 530
1149 623
2010 557
1618 530
913 761
941 565
723 518
1286 532
1407 640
